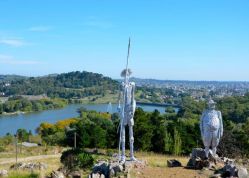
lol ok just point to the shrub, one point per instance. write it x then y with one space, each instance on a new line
76 158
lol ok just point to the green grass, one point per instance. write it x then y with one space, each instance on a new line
23 175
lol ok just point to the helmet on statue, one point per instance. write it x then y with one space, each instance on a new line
211 104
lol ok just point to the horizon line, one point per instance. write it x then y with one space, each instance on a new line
162 80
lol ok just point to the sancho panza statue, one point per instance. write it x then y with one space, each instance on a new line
211 126
126 108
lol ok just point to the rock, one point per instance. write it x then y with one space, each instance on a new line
198 160
3 173
230 170
74 174
174 163
97 175
197 155
198 152
216 176
29 166
115 168
102 167
242 172
57 174
112 173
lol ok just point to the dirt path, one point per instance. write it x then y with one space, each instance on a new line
30 158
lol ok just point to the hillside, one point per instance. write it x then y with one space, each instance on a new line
66 85
8 78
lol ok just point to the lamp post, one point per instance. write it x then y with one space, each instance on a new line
16 145
68 129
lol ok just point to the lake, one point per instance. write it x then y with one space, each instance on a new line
30 121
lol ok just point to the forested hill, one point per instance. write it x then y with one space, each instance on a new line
66 85
8 78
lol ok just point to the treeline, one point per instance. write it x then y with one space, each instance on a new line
153 132
67 85
15 104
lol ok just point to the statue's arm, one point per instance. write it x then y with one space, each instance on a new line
221 123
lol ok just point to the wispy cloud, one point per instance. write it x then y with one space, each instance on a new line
12 42
40 28
7 59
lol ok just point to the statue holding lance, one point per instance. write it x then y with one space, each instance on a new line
126 109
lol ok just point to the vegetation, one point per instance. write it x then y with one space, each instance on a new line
171 133
15 104
24 175
68 85
75 159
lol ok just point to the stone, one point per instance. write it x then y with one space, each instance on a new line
29 166
74 174
3 173
102 167
198 153
57 174
230 170
242 172
97 175
112 173
115 168
197 159
174 163
216 176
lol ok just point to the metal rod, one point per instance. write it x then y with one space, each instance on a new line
16 139
75 140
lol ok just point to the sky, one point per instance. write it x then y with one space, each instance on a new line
170 39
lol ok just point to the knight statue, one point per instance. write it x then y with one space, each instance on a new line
126 109
211 126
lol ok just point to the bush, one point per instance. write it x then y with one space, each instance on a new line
23 175
76 158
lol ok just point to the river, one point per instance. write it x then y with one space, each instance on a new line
30 121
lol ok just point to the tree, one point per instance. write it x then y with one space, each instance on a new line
168 142
142 131
22 135
177 142
170 109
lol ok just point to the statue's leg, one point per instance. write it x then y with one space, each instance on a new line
215 142
131 142
123 144
207 143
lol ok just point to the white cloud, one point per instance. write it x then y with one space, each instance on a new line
12 42
40 28
6 59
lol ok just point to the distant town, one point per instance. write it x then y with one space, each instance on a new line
197 89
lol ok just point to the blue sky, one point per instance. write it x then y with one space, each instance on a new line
170 39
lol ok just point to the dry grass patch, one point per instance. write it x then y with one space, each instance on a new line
157 167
